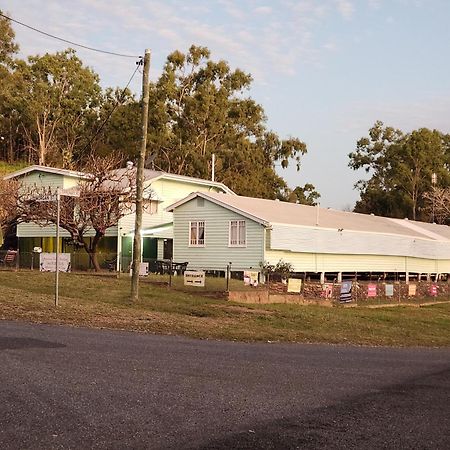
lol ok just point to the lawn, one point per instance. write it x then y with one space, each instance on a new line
103 302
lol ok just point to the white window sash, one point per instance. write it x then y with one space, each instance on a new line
237 234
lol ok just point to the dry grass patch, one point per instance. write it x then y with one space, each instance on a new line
102 302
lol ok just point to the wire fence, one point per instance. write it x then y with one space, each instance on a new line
246 286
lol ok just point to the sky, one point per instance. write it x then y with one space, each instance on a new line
324 70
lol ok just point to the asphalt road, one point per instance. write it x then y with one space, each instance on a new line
73 388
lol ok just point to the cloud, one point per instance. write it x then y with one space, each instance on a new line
251 35
430 112
346 8
263 10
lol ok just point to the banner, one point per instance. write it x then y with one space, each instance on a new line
47 262
372 290
412 288
346 292
433 290
389 290
327 290
294 285
250 278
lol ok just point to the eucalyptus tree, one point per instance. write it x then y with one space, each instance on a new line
400 167
198 108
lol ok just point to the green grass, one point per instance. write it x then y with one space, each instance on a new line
103 302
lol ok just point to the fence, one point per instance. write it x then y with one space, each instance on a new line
170 273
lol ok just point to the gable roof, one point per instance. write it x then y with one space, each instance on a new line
153 175
273 212
149 175
52 170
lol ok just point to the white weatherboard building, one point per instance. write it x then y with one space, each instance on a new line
161 189
212 230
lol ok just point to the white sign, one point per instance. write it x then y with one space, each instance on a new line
143 269
250 278
294 285
194 278
47 262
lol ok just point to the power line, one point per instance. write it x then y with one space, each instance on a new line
67 41
119 102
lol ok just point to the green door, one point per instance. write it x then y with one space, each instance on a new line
150 248
127 252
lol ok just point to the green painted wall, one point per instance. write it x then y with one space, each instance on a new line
216 253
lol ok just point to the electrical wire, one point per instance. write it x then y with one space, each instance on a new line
118 103
67 41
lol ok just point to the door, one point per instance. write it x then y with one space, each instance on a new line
168 249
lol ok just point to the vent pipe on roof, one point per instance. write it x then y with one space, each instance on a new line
213 164
317 214
129 165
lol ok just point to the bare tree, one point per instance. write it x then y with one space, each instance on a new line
438 204
104 195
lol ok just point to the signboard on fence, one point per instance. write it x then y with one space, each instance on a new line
194 278
250 278
47 262
433 290
327 290
389 290
294 285
412 289
372 290
346 292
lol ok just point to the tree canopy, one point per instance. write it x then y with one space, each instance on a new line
400 167
199 108
53 111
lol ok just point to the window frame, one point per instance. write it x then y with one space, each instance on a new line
238 226
197 244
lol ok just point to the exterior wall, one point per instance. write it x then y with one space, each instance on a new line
319 240
321 262
216 253
41 179
45 179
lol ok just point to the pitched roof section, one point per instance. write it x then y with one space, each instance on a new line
277 212
149 175
153 175
53 170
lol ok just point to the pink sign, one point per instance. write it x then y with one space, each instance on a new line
372 290
433 290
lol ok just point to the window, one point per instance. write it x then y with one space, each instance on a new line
197 233
238 235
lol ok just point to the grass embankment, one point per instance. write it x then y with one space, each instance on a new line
87 300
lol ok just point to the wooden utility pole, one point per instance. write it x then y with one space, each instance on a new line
140 182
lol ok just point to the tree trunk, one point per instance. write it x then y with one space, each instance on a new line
91 250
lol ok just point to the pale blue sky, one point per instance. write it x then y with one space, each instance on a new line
324 71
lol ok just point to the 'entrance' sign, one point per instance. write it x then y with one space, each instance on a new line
194 278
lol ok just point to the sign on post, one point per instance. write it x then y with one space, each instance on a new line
47 262
194 278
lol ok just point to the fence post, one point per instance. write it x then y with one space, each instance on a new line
170 272
17 260
228 275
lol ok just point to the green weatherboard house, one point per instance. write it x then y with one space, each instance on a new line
165 189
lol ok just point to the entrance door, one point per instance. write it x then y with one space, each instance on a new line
168 249
150 248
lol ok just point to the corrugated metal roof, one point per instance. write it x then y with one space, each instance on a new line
277 212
